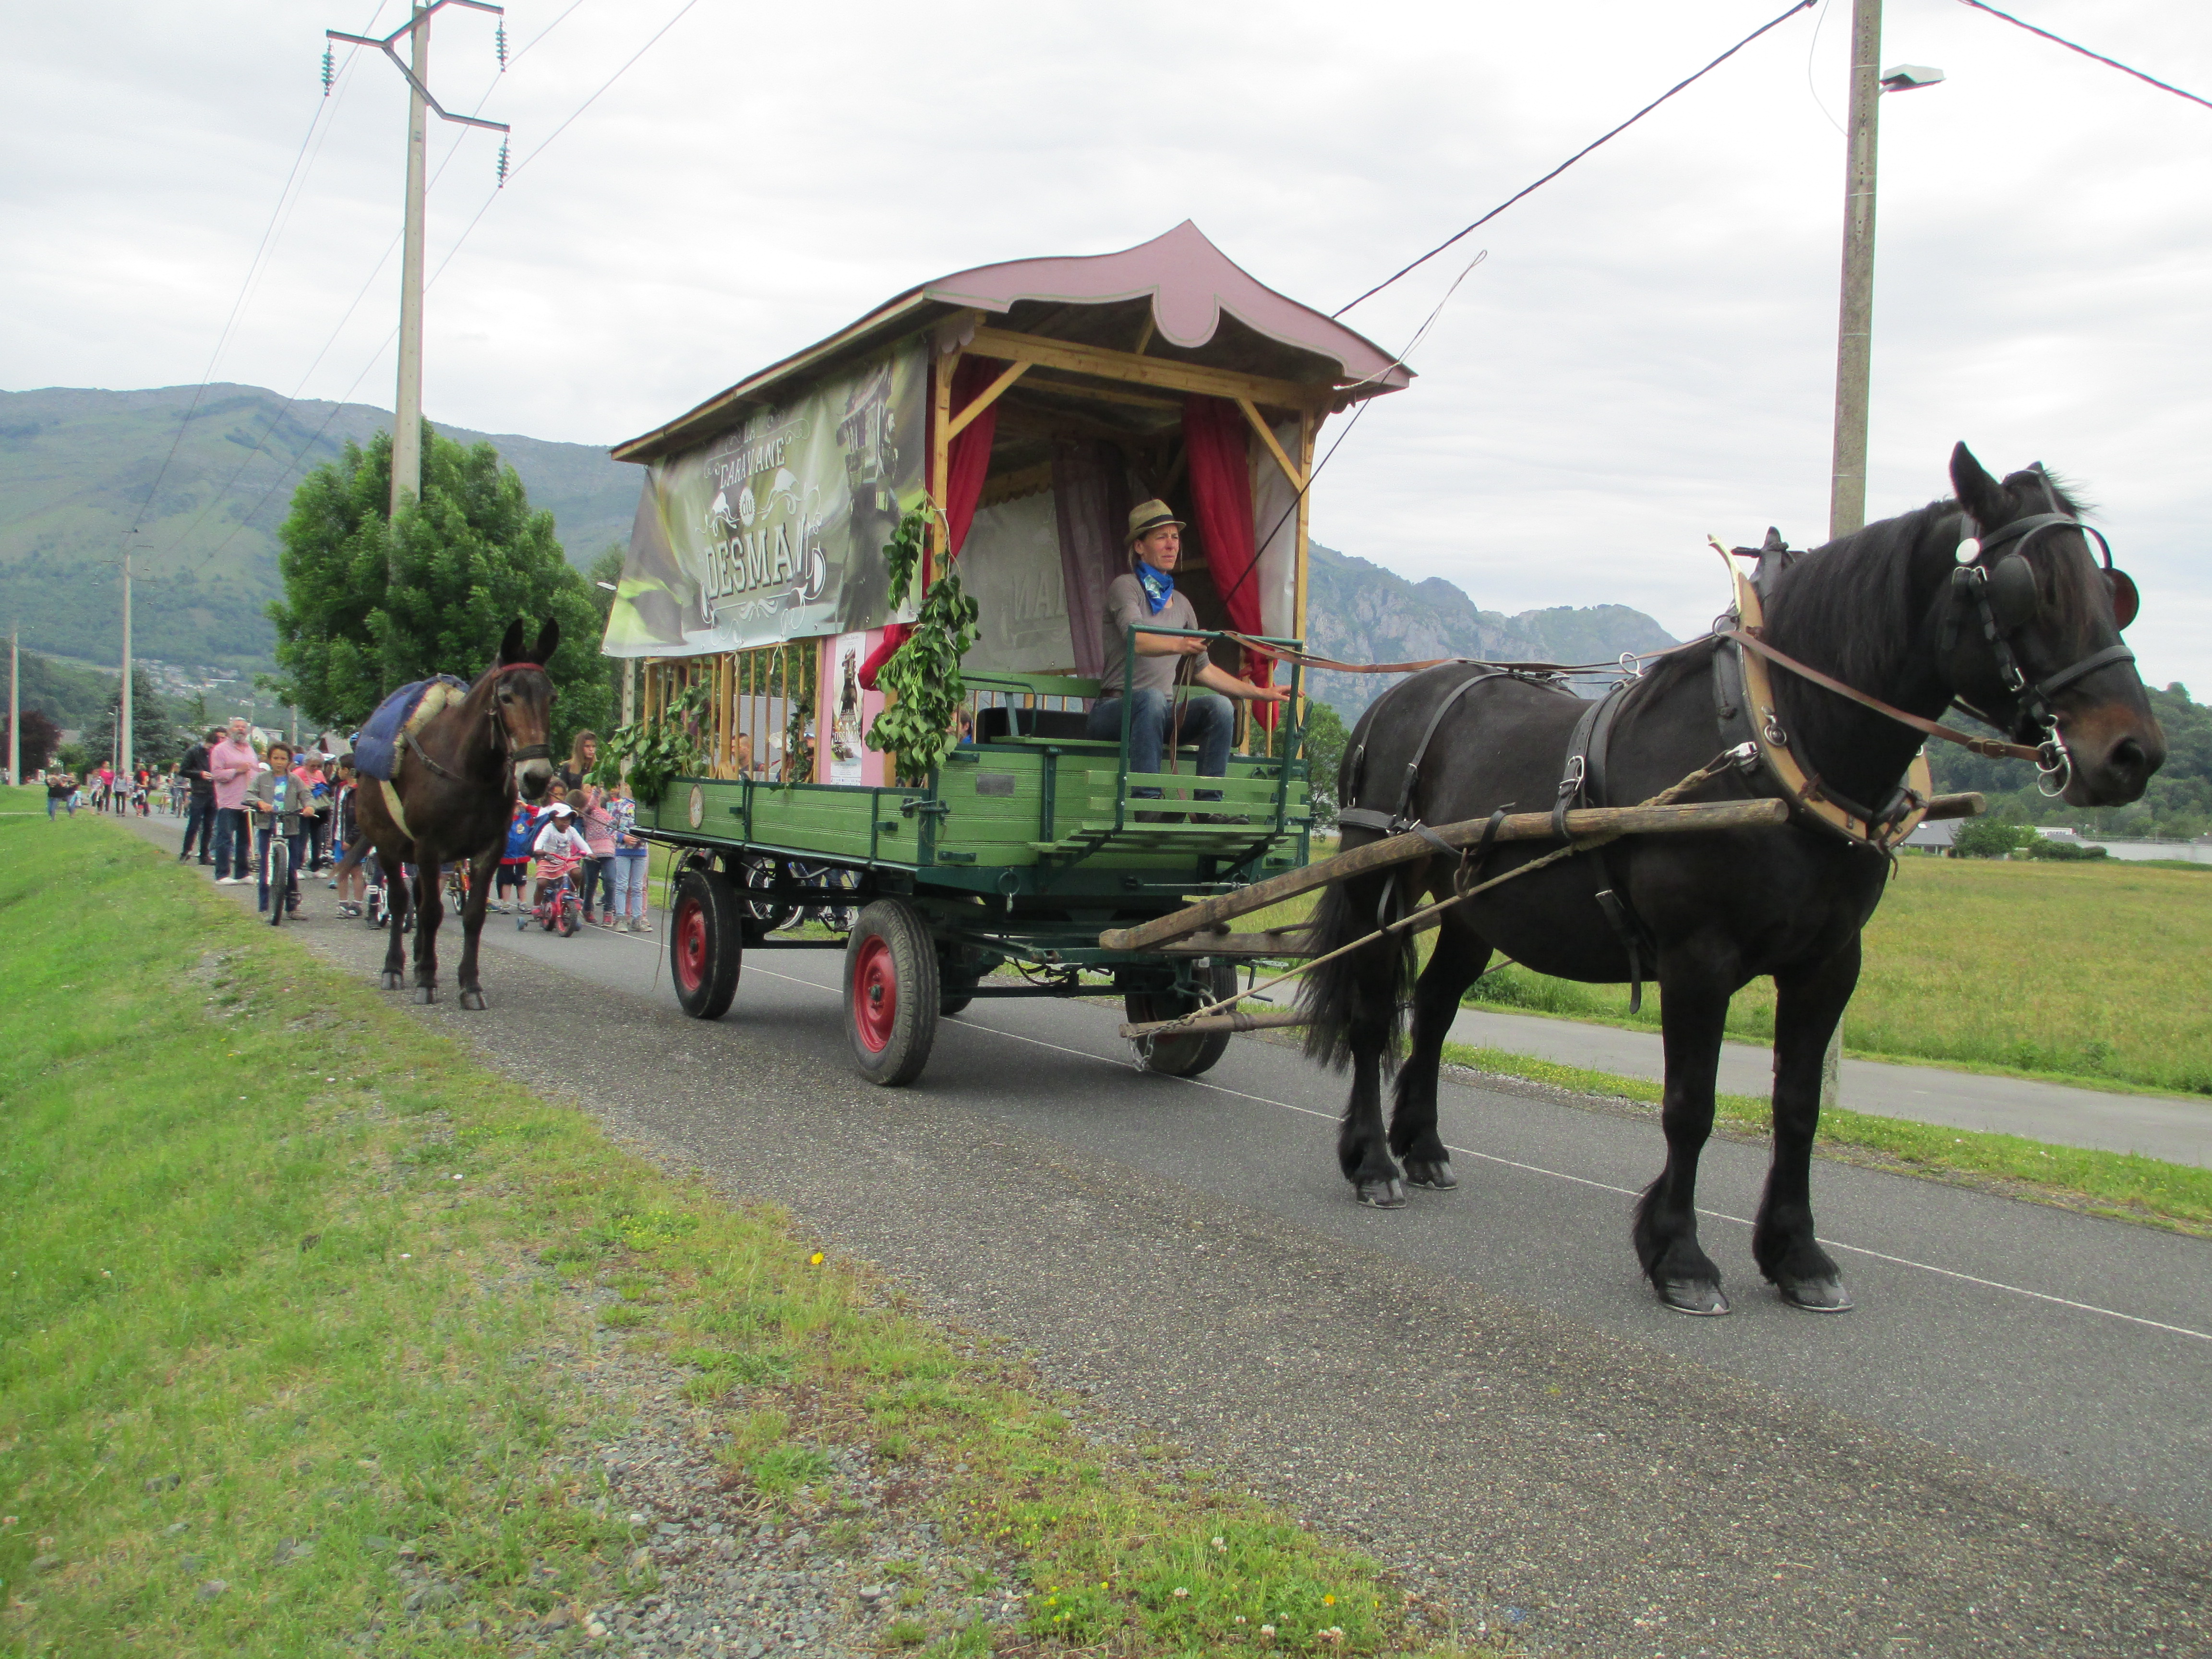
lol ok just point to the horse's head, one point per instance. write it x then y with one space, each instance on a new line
522 706
2031 635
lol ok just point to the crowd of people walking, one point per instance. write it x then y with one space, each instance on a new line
237 792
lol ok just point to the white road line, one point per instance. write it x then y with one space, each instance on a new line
1603 1186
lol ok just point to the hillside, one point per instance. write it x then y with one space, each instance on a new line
1356 611
76 464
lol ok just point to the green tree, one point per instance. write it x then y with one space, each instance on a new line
1988 838
470 556
605 575
154 738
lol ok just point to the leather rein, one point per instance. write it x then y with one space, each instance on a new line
515 755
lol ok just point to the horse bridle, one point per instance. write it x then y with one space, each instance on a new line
517 754
1995 585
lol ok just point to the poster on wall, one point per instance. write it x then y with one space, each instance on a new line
851 711
774 530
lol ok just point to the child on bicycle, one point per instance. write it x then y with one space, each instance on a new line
560 851
279 801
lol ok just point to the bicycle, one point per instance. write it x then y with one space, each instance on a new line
276 869
562 909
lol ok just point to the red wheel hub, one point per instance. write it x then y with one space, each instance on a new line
687 959
875 993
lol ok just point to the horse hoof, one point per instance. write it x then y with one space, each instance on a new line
1381 1194
1815 1295
425 993
393 982
1437 1177
1700 1297
472 999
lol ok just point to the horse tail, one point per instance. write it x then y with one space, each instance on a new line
1363 987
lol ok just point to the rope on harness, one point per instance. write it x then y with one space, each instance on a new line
1413 921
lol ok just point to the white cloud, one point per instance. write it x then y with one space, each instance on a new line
1647 354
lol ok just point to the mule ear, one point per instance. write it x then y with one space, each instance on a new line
549 640
510 646
1979 493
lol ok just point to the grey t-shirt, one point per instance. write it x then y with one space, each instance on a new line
1125 603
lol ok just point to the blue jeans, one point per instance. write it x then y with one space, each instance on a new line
233 842
1207 721
629 883
297 845
199 821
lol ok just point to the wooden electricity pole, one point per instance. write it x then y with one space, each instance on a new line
1855 319
407 411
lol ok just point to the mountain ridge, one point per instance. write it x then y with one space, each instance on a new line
76 464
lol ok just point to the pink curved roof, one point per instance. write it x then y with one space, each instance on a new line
1191 281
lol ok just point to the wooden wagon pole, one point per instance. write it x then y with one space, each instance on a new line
1699 816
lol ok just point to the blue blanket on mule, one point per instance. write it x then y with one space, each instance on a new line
376 746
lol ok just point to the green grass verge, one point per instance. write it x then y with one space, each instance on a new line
2090 973
2112 1183
284 1268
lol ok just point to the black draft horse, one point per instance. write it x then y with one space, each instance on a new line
1878 610
457 790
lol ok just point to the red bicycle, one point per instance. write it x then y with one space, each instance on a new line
560 911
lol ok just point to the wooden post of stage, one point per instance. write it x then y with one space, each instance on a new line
941 459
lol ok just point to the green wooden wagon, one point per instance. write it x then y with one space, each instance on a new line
1033 402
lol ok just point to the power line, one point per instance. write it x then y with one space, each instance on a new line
2111 62
269 431
254 266
1800 5
290 466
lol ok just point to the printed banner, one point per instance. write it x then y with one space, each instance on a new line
776 531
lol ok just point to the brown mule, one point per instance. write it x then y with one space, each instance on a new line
459 776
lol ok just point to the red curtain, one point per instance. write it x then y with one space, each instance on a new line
967 462
1219 446
971 455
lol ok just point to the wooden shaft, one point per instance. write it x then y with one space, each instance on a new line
1274 942
1958 806
1609 821
1220 1022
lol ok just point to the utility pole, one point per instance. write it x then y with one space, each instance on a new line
14 709
123 708
407 411
1855 325
1855 321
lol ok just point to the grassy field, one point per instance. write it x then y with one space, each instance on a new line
2094 972
285 1275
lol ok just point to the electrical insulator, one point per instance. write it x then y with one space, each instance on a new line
502 37
329 72
503 164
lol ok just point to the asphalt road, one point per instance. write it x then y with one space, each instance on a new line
2176 1128
2003 1449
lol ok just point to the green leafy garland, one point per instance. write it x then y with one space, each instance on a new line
923 676
655 753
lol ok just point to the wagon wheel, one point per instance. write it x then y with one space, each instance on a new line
764 916
706 945
892 992
1188 1052
958 973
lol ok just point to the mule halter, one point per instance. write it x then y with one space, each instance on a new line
516 754
1997 584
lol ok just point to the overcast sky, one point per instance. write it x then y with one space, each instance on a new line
1646 355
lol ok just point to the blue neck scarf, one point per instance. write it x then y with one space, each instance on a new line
1158 586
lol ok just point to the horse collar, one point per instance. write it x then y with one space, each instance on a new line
1743 699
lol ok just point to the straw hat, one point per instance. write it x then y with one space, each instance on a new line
1148 516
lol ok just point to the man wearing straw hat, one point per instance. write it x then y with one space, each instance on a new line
1147 598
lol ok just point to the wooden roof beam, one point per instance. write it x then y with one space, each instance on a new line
1108 365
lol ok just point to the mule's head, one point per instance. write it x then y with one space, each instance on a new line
522 703
2033 634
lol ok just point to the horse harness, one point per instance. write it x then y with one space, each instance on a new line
1580 784
515 755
